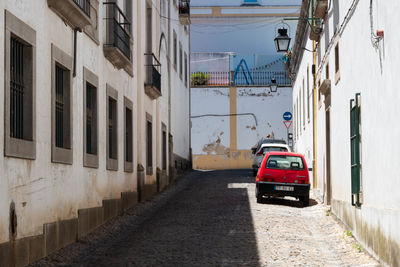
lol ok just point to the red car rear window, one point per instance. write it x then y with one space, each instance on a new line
284 162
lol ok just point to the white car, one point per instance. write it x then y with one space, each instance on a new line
259 155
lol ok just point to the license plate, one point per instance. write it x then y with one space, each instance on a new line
284 188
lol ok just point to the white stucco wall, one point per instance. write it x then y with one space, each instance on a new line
372 72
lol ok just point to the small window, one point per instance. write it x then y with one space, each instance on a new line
304 98
90 119
327 71
112 129
175 51
355 153
20 77
128 163
149 146
164 147
61 107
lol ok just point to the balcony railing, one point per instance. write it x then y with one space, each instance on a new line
153 76
118 29
239 78
84 5
184 11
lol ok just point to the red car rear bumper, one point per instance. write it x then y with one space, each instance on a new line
282 189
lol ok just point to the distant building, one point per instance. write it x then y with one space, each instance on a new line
95 108
345 106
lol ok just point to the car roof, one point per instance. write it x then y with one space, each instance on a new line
275 145
278 153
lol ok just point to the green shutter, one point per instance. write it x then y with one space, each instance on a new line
355 151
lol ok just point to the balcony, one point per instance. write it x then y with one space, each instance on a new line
184 12
117 44
320 9
75 12
152 85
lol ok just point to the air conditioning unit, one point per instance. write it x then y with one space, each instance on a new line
251 2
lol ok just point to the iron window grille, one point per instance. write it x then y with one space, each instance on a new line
128 135
149 145
17 89
153 67
84 5
164 150
118 28
91 128
59 106
112 128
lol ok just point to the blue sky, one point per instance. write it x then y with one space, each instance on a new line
239 35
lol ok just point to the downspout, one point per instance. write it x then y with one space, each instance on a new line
315 116
75 35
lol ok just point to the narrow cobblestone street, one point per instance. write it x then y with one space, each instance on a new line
212 219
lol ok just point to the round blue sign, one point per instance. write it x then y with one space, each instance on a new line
287 116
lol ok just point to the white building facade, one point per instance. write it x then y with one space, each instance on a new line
345 103
88 117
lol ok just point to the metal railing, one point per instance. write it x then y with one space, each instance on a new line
118 29
239 78
84 5
153 71
184 7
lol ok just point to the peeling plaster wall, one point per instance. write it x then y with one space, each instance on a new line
212 136
268 108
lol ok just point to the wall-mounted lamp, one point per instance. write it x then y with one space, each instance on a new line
273 86
282 40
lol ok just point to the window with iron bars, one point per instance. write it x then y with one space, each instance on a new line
128 135
91 119
112 128
149 169
62 107
17 88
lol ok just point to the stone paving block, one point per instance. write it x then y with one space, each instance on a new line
5 254
50 237
67 232
83 222
128 199
36 248
21 252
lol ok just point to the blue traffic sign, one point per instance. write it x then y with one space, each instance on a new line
287 116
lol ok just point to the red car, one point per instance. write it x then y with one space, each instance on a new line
283 174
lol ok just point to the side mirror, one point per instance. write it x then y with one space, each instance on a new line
310 169
253 150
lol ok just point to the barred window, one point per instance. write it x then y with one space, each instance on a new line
17 89
112 128
149 147
164 147
91 121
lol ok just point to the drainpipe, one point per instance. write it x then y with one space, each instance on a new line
75 34
315 116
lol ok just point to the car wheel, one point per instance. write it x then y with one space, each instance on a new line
305 200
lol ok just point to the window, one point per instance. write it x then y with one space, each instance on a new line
175 51
20 89
337 70
149 146
285 162
90 119
149 28
128 162
112 129
61 149
164 146
355 146
327 71
180 61
186 69
308 94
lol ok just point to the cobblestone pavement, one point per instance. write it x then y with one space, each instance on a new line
212 219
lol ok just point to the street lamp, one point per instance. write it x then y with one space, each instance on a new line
273 86
282 41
